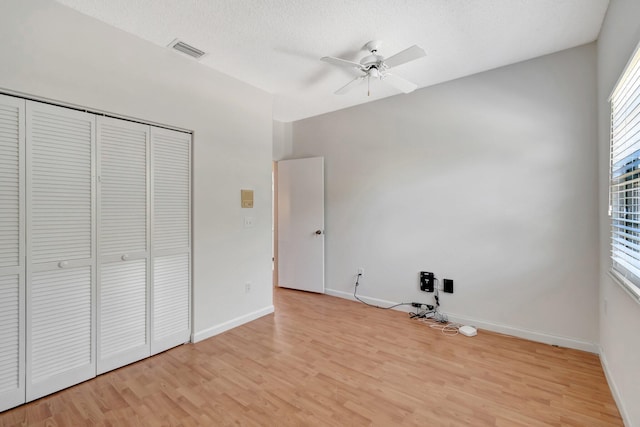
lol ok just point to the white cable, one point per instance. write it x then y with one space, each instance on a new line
449 328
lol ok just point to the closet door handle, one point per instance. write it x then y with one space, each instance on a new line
63 264
124 257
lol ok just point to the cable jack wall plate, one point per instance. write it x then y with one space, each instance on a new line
468 331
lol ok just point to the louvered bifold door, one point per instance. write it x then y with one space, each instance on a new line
12 253
171 238
123 242
60 248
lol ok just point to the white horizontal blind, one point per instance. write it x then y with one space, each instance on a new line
60 248
625 174
171 213
123 236
12 252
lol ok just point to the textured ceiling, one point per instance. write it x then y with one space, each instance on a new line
276 45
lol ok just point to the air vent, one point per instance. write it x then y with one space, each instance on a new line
186 49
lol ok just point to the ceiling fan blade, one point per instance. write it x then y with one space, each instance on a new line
340 62
346 88
409 54
399 83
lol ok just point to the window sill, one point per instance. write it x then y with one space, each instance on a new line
626 285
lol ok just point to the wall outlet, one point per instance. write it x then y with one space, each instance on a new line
361 271
447 286
249 221
247 287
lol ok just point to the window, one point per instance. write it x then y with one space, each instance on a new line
624 192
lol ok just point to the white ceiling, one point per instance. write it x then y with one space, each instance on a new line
276 45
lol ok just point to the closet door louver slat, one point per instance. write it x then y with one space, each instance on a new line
12 252
171 295
123 240
171 180
60 322
60 248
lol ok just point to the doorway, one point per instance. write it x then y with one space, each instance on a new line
298 227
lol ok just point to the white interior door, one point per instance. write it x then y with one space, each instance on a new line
12 253
123 243
60 288
171 238
301 224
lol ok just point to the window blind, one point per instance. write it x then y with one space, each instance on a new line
624 193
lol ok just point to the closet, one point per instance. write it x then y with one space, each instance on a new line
94 245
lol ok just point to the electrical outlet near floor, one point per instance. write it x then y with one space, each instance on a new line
247 287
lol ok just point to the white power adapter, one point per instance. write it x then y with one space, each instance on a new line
468 331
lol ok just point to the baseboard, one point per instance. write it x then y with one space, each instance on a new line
490 326
223 327
526 334
614 389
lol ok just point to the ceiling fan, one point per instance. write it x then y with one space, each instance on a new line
376 66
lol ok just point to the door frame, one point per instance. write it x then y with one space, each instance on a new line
274 222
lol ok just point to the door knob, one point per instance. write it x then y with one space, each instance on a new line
124 257
63 264
318 231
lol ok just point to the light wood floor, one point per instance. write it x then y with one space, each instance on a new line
322 360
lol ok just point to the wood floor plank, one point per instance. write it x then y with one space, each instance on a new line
325 361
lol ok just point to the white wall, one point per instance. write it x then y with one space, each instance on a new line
51 51
282 140
620 323
487 180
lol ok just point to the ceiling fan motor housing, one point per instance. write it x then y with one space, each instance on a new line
370 60
373 65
